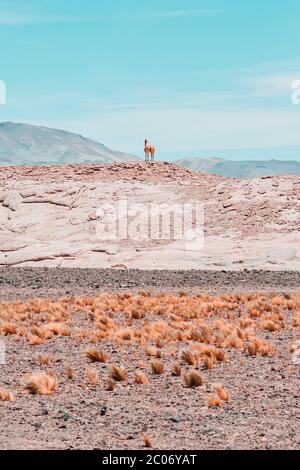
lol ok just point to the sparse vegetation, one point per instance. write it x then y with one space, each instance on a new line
193 379
110 385
153 352
140 378
157 367
117 373
44 359
70 373
221 392
200 331
41 383
94 355
92 375
147 441
190 358
6 395
213 401
176 369
8 328
208 362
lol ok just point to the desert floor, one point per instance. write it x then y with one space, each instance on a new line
236 330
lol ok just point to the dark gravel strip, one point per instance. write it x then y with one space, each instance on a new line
71 280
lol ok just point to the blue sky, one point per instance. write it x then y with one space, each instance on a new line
198 78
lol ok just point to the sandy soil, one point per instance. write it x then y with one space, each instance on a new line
263 410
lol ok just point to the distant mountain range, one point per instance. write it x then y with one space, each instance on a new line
241 169
205 165
24 144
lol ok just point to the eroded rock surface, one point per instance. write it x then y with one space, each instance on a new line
54 216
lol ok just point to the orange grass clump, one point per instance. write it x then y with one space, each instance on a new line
117 373
208 362
70 373
296 320
140 378
176 369
44 359
190 358
8 328
92 375
96 356
6 395
270 325
153 352
41 383
110 385
259 347
35 340
147 441
137 314
193 379
213 401
220 355
222 393
157 367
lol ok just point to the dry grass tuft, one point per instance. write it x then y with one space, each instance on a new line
176 369
95 355
6 395
208 362
41 383
270 325
296 320
220 355
190 358
147 441
153 352
44 359
8 328
70 373
257 346
193 379
213 401
157 367
35 340
222 393
110 385
117 373
92 375
252 349
137 314
140 378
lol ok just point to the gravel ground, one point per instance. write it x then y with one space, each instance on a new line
263 412
41 282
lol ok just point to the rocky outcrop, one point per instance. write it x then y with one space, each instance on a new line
54 216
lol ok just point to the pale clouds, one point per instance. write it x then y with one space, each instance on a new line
272 85
190 130
15 19
269 79
187 13
29 14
